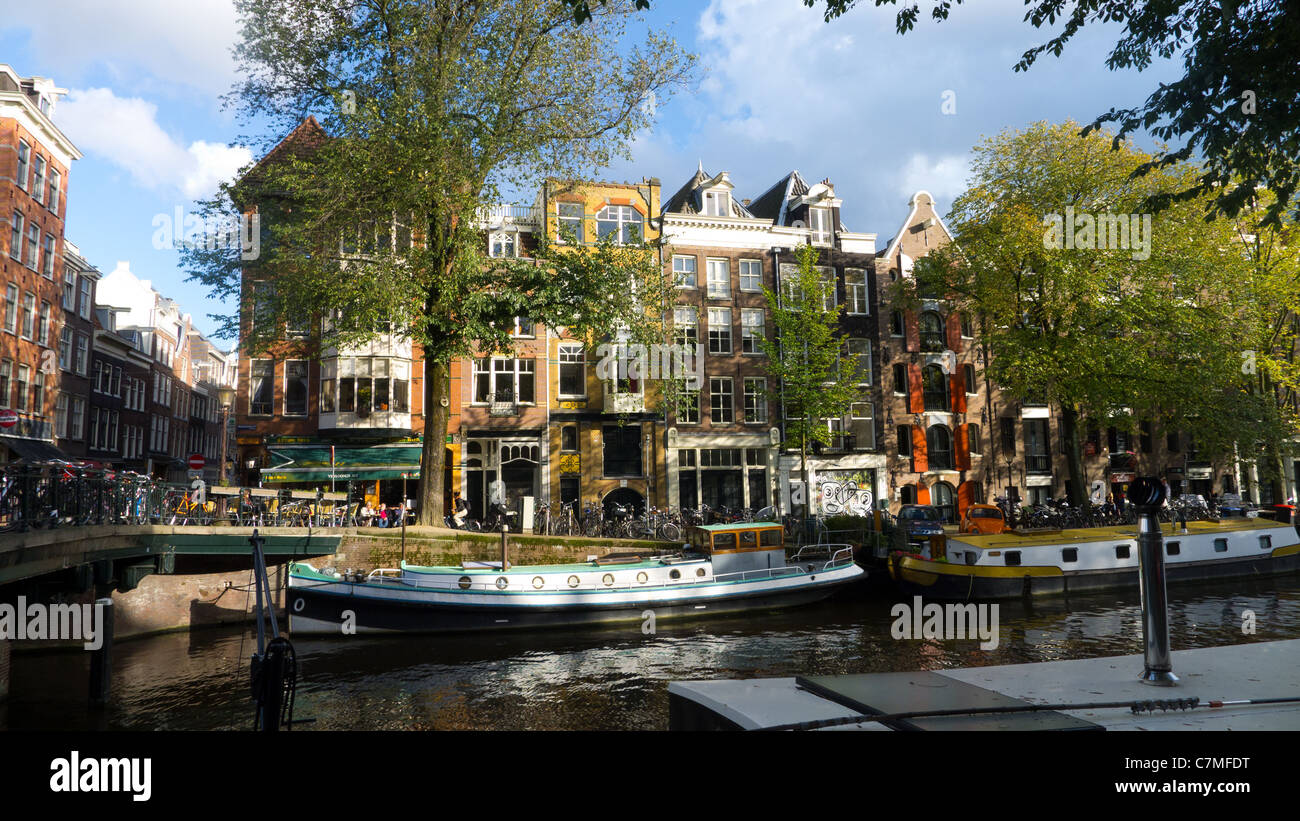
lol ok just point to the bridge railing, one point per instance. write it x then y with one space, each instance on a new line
60 494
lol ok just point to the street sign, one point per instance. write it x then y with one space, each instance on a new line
8 419
196 462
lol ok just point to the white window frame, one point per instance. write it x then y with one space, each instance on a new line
750 330
754 274
719 319
855 293
759 416
722 386
680 273
718 278
569 355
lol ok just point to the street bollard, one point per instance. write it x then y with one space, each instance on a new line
1147 494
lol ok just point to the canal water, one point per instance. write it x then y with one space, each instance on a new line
605 679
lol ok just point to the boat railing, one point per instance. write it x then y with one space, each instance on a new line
835 555
382 574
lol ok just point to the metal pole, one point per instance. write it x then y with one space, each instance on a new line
101 659
1147 494
505 531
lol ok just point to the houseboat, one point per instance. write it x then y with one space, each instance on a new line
1023 563
723 569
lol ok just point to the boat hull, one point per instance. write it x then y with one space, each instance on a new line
340 607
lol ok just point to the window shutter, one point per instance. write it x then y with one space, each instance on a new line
954 331
958 380
920 456
963 447
965 497
922 494
912 331
916 401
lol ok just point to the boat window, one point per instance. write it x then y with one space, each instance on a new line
748 539
1173 548
1121 551
1069 554
724 541
1220 545
770 538
1012 558
1265 542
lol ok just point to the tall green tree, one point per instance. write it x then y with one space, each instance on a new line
428 112
1113 314
808 359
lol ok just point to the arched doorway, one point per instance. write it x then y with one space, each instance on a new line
942 497
625 496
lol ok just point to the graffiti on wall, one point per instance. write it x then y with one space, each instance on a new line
844 498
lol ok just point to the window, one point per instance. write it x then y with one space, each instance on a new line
61 416
82 354
29 315
570 217
719 279
1008 435
862 418
261 387
86 300
966 330
755 399
938 443
900 379
504 380
973 439
622 450
819 223
828 287
621 222
504 244
684 272
77 418
11 308
969 372
20 398
934 389
24 164
573 371
38 392
686 327
855 290
751 275
1037 447
6 371
688 408
720 330
751 330
1145 437
932 338
69 289
896 325
717 203
56 180
525 327
1171 441
47 268
16 237
38 179
859 351
569 439
33 245
722 403
295 387
43 328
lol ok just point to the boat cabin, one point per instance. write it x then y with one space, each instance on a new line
741 546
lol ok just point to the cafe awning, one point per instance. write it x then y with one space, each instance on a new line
312 463
35 450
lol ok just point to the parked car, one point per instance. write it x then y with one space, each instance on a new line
986 519
917 523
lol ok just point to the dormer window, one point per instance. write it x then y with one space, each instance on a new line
819 223
504 244
717 203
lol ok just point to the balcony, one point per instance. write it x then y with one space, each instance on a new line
624 402
1038 463
932 342
496 216
502 405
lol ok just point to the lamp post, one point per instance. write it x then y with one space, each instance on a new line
226 396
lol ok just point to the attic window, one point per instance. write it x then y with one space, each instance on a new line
819 222
716 203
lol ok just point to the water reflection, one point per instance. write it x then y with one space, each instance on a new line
597 679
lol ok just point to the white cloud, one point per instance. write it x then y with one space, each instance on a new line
125 131
158 42
944 177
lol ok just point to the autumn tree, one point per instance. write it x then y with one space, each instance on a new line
429 111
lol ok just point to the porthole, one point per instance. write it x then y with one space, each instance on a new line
699 571
674 573
464 582
642 577
573 581
502 583
538 582
608 579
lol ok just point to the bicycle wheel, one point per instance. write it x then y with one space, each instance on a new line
669 532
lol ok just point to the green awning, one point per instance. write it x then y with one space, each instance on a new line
311 463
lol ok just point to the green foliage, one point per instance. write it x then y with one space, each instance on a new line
817 381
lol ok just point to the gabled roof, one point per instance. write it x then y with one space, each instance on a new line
773 203
685 201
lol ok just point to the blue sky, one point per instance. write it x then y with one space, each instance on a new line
850 100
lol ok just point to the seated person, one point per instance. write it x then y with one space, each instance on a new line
461 512
381 517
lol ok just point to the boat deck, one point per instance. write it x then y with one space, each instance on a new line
1013 539
1244 671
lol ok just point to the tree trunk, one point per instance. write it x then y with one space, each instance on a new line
803 469
437 411
1073 454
